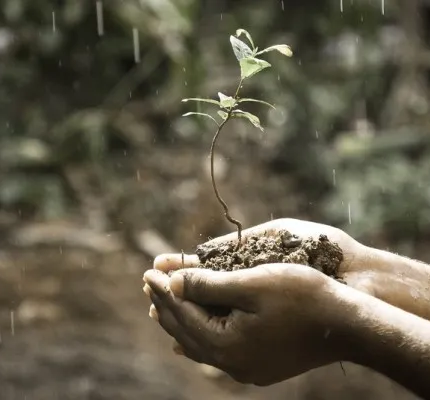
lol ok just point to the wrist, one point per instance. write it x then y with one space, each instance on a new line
400 281
334 315
386 261
386 339
356 328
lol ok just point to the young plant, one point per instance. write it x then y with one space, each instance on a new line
250 65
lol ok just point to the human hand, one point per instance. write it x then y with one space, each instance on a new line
279 325
400 282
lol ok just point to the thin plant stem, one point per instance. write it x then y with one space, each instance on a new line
214 185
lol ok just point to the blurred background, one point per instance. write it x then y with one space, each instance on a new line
99 172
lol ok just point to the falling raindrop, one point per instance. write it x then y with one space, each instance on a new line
349 213
383 7
282 5
317 134
221 16
138 175
54 24
271 216
136 45
100 24
334 177
12 323
341 6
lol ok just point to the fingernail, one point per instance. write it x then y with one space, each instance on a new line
150 275
147 290
177 284
153 313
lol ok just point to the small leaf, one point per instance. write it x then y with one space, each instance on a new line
226 101
251 66
223 114
282 48
202 100
241 50
256 101
250 117
246 33
201 114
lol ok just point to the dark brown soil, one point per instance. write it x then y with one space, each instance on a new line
283 247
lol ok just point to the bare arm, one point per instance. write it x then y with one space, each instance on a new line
387 340
400 281
286 320
379 320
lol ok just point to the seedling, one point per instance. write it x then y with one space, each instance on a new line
250 65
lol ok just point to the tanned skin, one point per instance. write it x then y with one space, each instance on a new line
285 320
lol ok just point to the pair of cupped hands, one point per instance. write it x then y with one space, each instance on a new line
283 319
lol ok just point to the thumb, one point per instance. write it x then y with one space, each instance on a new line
213 288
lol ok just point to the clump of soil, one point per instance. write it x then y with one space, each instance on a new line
283 247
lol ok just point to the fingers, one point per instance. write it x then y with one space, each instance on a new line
153 313
232 289
171 313
190 315
187 345
171 262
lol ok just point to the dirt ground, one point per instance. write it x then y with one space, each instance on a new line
75 325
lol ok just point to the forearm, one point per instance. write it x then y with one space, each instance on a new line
386 339
408 282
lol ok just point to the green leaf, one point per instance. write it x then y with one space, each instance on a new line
282 48
226 101
251 66
241 50
201 114
246 33
223 114
250 117
202 100
256 101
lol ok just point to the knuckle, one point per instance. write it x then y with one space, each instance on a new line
194 286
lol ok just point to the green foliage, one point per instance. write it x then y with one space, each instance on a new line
70 97
201 114
249 66
389 197
64 87
250 117
282 48
252 66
